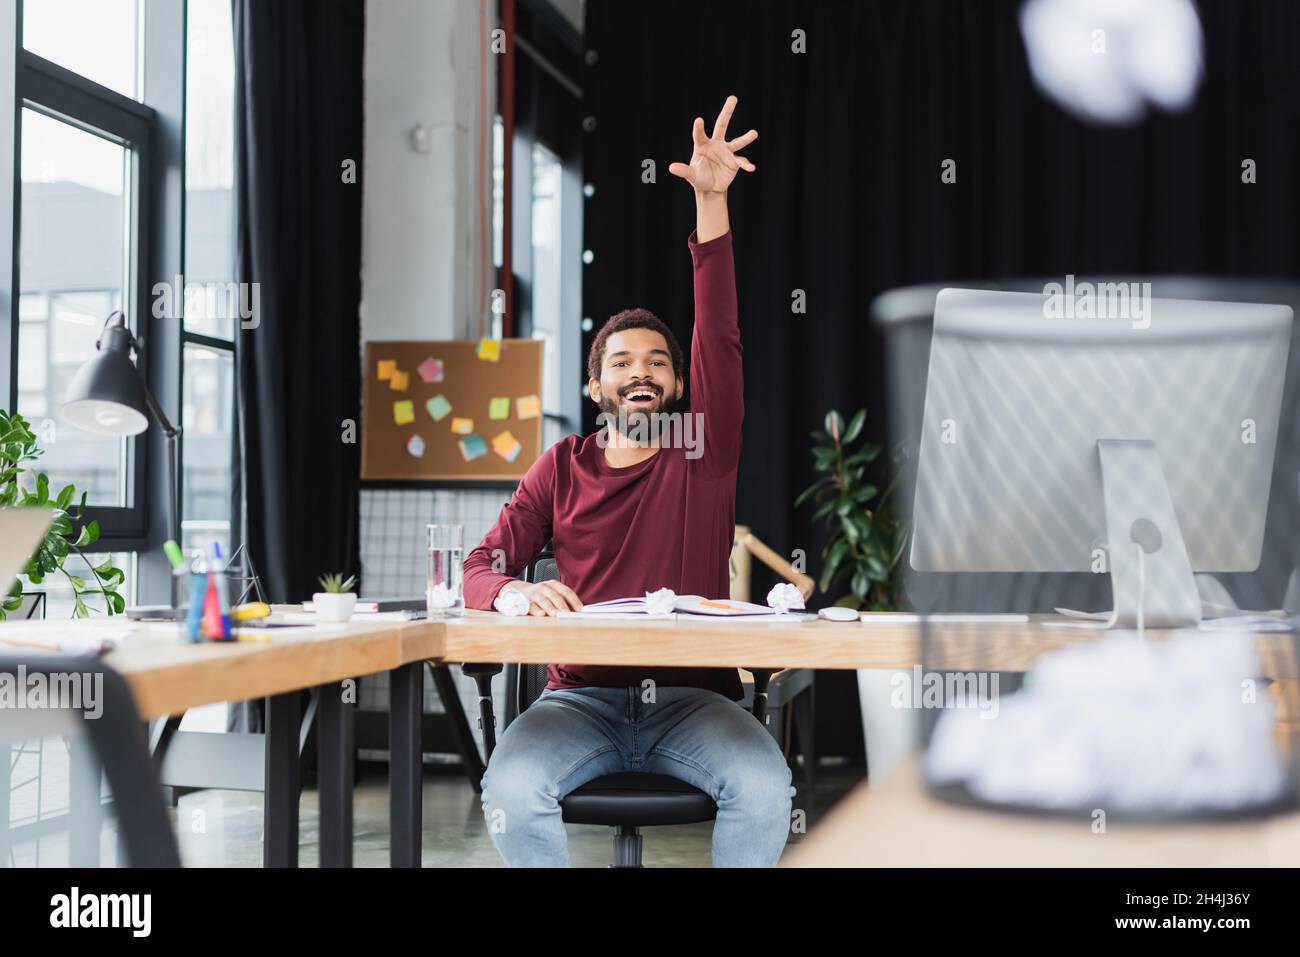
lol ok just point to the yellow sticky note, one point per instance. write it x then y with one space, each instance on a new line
528 407
386 369
404 412
506 446
499 408
462 426
489 350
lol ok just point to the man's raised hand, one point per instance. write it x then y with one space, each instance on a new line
715 160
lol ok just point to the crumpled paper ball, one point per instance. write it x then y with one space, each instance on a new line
440 596
1175 724
511 601
783 597
661 602
1106 60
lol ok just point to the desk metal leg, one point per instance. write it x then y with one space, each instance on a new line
282 785
85 778
6 781
405 685
335 742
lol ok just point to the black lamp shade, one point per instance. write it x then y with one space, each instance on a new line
106 394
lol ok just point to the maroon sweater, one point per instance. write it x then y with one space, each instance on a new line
667 522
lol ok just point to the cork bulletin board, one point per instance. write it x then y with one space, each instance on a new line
451 410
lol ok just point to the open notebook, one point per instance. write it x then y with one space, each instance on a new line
693 605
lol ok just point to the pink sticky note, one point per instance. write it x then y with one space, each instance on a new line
430 369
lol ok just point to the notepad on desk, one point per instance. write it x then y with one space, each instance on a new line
382 606
44 637
694 606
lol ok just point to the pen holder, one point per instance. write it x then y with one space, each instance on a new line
207 616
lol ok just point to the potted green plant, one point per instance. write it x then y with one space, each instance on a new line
866 536
337 599
69 532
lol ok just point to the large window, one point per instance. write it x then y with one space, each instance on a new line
118 140
212 309
97 39
547 272
546 209
74 270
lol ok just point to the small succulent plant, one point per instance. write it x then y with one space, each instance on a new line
336 584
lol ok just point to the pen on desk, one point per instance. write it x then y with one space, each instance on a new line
242 634
28 643
250 611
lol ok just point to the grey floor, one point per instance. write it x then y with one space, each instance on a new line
224 828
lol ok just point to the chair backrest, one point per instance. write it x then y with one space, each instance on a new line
529 681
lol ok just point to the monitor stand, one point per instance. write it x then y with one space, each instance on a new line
1150 572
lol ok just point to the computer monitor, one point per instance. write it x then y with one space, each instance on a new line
1138 447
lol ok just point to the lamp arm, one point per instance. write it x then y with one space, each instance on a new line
173 434
168 429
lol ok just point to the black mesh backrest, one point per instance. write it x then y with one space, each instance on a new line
531 680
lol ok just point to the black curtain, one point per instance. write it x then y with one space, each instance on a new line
847 201
298 122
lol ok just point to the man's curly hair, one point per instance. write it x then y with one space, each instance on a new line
633 319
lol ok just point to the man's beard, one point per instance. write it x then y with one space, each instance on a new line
638 420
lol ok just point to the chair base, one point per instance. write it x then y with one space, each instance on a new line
627 846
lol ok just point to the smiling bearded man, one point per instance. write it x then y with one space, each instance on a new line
627 515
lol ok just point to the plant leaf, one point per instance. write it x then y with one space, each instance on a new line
89 534
860 584
855 426
834 425
807 493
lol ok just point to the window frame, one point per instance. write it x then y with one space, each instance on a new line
56 92
153 128
548 101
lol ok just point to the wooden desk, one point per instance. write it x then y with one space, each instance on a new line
897 824
168 676
490 637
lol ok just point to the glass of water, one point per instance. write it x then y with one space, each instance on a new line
445 590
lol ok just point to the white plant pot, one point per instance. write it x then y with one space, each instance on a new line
334 606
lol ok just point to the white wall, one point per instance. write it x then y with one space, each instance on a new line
420 259
420 235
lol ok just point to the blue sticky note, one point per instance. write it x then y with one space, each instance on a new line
472 446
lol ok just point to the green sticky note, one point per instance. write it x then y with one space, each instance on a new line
438 407
499 408
404 412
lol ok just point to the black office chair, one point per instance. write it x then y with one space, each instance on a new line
626 801
120 747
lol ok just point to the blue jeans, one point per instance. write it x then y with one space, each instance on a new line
571 736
